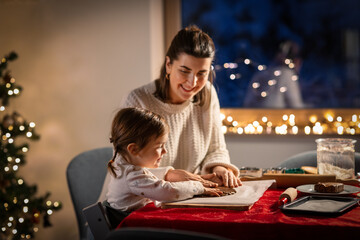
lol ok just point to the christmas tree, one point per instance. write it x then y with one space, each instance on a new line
20 209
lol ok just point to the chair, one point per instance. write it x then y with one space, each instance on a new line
85 176
309 158
159 234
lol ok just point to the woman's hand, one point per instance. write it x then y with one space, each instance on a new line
213 192
227 177
178 175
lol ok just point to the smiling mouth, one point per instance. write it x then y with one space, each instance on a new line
186 90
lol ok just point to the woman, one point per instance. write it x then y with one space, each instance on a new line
185 97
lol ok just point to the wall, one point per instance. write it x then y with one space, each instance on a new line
77 59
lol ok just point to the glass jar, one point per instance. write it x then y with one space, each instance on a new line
336 156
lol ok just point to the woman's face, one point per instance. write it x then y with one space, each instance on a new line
188 75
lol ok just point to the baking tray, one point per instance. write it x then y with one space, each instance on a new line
321 205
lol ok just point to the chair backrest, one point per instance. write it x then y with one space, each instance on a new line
85 176
309 158
159 234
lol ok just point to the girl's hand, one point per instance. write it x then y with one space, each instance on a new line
178 175
213 192
227 177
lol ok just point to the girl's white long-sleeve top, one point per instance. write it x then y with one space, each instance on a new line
134 187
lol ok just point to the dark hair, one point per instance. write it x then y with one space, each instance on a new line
134 125
192 41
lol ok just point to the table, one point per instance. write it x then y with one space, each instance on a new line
263 221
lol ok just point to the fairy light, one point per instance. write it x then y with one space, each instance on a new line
29 134
283 89
32 124
352 131
2 108
256 85
24 149
317 129
295 130
277 73
354 118
292 119
330 118
224 129
20 181
272 82
340 130
294 77
317 125
222 116
247 61
263 94
313 118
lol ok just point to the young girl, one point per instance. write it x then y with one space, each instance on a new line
139 137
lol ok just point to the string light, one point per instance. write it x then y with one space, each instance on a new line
317 125
270 83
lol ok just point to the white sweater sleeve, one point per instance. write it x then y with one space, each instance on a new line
147 185
217 154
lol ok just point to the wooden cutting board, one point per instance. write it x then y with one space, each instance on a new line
285 180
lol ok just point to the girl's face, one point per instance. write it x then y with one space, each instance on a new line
150 156
188 75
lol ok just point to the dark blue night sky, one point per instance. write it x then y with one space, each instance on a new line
328 32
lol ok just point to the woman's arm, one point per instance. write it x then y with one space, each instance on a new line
178 175
217 159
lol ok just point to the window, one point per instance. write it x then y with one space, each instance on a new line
320 40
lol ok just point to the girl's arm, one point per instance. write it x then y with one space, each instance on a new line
145 184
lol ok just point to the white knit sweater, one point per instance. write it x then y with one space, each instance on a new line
196 142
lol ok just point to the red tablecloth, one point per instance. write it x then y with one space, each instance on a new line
263 221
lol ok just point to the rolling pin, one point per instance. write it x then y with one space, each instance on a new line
287 196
